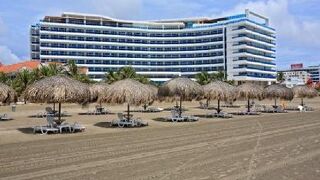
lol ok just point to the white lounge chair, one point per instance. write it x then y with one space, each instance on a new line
154 109
175 117
220 115
190 118
47 128
76 127
203 106
5 117
61 127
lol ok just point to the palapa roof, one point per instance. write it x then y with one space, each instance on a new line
180 87
249 91
219 90
97 89
57 89
153 88
303 91
128 91
7 94
278 91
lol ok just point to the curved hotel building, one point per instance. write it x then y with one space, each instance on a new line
243 46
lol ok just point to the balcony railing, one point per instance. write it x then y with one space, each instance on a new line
254 68
257 61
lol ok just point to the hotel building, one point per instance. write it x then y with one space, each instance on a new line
302 73
242 46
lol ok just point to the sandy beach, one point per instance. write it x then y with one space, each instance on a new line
269 146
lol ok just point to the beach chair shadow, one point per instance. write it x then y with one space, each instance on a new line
160 119
104 125
203 116
26 130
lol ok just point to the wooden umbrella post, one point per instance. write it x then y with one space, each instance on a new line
180 113
248 104
59 118
128 111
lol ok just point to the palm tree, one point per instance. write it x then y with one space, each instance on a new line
280 77
203 78
111 77
55 69
4 78
219 76
50 70
126 72
72 69
22 80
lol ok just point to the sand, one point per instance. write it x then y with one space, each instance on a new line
269 146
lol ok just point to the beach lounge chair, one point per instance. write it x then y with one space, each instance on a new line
203 105
49 111
266 109
101 110
292 108
65 114
175 117
139 122
190 118
252 113
122 121
219 115
76 127
64 126
51 127
280 109
41 115
154 109
301 108
5 117
307 108
45 129
246 113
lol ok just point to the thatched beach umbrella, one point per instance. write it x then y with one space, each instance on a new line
303 91
249 91
57 89
219 90
278 91
180 88
7 94
127 91
96 89
154 90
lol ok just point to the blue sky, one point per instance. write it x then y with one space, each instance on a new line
297 21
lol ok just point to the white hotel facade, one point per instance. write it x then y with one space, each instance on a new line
243 46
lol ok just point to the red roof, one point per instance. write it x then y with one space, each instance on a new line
18 66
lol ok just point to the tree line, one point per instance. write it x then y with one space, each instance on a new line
25 77
20 80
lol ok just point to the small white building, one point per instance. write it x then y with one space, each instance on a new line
302 75
293 81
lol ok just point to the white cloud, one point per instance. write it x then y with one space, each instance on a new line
288 26
7 56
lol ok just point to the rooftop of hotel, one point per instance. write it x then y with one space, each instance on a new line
175 23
